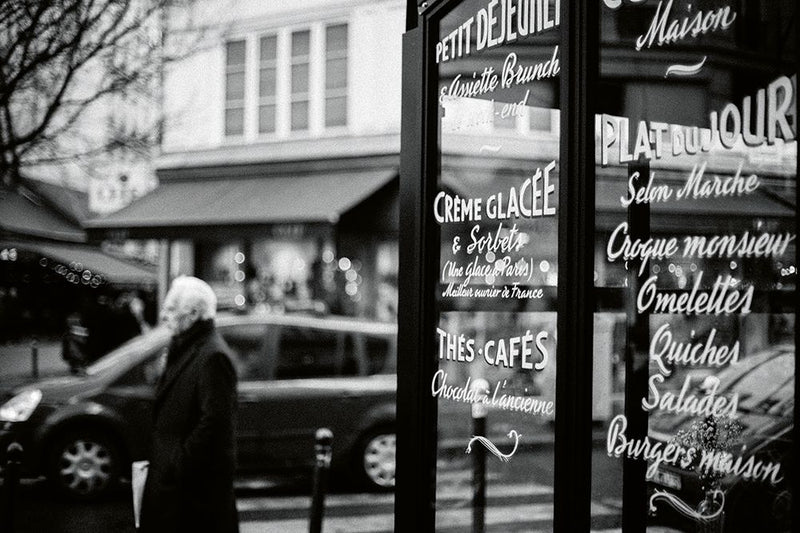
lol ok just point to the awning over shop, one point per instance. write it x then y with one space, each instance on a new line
24 214
78 258
307 198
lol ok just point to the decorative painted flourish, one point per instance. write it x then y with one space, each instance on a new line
681 506
492 448
686 70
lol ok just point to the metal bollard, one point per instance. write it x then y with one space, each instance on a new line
10 483
479 413
34 359
323 450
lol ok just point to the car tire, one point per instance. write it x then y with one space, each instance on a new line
84 464
376 459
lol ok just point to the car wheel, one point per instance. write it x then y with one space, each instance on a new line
84 464
377 459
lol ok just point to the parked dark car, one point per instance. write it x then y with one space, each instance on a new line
296 373
765 384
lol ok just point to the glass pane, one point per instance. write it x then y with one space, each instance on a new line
300 78
300 43
299 115
266 119
695 256
496 207
336 73
234 86
267 82
235 53
247 342
269 48
503 119
336 37
336 111
540 119
234 121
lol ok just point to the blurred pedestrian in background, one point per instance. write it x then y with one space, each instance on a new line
74 344
95 329
189 484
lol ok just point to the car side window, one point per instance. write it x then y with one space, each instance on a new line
381 352
248 343
308 352
147 372
304 352
754 393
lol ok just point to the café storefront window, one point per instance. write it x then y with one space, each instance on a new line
608 190
695 262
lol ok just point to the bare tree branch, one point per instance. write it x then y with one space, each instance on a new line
61 58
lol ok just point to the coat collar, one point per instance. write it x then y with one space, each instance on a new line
182 342
182 351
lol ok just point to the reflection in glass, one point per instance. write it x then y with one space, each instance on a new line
496 211
695 220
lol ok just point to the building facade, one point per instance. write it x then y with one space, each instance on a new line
280 154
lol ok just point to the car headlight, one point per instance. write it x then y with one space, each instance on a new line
20 407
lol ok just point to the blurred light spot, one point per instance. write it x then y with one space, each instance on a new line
351 288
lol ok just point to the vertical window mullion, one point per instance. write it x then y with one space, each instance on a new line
250 87
573 427
283 89
316 79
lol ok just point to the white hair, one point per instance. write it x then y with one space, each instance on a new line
194 293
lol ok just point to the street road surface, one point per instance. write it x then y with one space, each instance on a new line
513 505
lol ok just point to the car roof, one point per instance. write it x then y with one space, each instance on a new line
326 322
159 336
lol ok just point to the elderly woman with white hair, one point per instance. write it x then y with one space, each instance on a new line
190 479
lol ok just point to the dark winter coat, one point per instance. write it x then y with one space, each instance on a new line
190 479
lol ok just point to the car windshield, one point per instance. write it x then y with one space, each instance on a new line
144 343
766 385
758 404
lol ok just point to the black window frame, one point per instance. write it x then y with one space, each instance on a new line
417 414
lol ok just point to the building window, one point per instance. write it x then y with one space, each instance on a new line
336 75
300 73
298 84
234 88
267 84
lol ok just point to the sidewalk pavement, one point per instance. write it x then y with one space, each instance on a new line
16 365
